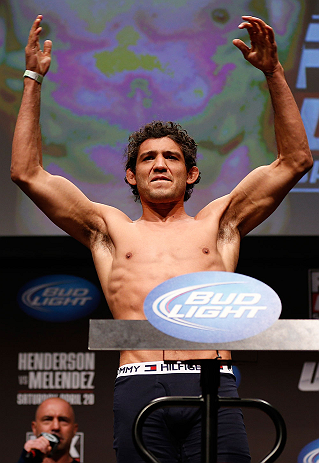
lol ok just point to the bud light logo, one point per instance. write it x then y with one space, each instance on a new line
310 453
212 307
58 298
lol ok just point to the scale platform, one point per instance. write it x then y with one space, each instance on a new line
285 335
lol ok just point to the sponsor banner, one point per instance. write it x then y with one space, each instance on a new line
310 453
314 293
58 298
68 375
306 94
212 307
309 378
76 448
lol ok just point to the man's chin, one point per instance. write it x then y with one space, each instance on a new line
58 452
162 198
164 195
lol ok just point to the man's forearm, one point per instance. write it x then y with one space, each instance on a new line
291 136
26 146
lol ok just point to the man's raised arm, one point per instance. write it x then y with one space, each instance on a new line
260 193
58 198
27 136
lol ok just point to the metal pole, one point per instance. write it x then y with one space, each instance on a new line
210 380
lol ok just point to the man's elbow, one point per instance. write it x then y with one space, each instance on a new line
303 162
306 161
20 177
17 176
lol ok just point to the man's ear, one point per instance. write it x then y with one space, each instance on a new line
34 428
75 429
192 175
130 177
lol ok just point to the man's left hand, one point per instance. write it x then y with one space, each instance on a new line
263 50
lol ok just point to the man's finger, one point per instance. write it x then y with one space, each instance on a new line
35 29
254 20
47 47
259 25
242 46
36 24
271 35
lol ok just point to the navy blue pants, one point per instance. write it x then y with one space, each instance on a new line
173 434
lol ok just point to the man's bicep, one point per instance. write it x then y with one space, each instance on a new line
257 196
64 204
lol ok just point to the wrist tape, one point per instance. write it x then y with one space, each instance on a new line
33 75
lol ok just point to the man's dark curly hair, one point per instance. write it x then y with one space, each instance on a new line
159 129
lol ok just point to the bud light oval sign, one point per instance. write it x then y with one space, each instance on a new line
212 307
310 453
58 298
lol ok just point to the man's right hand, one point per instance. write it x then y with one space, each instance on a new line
41 443
36 59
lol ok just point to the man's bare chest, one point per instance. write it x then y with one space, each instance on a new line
168 245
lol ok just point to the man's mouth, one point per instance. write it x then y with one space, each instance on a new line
156 179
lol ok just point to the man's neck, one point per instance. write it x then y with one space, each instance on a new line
163 212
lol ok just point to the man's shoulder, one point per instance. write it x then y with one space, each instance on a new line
215 208
110 211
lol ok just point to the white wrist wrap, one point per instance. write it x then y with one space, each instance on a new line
34 75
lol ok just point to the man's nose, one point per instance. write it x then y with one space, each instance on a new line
160 163
55 425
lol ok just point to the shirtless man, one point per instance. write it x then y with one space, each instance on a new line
134 257
54 416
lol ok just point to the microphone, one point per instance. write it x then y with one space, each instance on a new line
35 454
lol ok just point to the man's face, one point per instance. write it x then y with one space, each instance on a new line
55 416
160 173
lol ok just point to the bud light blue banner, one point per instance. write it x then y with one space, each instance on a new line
58 298
212 307
310 453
